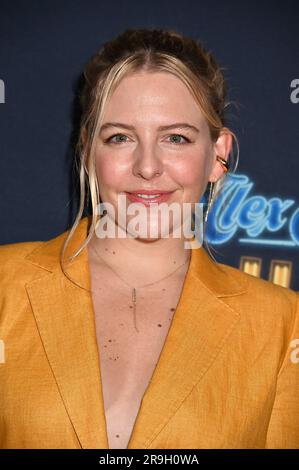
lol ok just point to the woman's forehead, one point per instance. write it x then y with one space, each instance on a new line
158 98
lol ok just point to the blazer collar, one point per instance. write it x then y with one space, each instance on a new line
65 318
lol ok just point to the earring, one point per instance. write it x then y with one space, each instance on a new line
210 199
225 166
223 162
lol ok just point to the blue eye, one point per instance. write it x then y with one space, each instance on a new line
179 135
109 140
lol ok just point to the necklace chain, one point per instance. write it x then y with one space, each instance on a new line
134 293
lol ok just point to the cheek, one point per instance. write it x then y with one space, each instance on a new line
109 171
191 174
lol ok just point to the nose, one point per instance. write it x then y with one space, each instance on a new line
147 162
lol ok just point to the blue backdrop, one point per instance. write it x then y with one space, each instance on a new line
44 46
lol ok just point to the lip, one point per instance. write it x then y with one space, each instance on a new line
164 196
148 191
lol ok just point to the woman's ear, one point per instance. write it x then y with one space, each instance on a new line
222 147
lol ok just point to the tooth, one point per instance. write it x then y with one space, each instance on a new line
148 196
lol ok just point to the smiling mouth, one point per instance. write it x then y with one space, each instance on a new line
148 199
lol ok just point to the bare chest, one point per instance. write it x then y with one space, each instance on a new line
128 356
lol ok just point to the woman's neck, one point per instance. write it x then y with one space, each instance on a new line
141 261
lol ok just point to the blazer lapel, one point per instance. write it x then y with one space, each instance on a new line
65 319
201 325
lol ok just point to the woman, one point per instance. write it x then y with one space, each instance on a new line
137 341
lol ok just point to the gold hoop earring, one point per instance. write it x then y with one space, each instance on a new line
210 199
225 166
223 162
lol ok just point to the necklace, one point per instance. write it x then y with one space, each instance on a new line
134 291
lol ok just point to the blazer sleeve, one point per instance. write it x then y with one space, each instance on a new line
283 430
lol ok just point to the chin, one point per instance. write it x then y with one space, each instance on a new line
147 239
152 235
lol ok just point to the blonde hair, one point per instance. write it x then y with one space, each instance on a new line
149 50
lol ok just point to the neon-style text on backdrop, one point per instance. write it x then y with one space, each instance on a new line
235 210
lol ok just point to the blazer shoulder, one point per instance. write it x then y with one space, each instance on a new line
18 249
261 290
263 297
13 264
25 261
14 252
257 284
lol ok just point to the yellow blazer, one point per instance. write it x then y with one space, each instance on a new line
227 377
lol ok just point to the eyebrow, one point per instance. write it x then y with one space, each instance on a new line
176 125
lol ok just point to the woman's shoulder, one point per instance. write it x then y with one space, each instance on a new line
26 253
262 299
257 287
235 285
14 269
17 259
20 252
15 251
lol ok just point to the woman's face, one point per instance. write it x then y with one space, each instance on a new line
136 155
